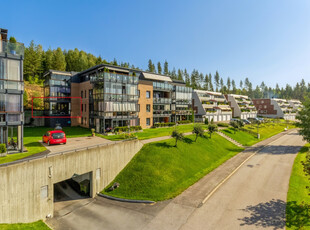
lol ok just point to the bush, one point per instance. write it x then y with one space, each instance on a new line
128 136
206 121
184 122
125 128
157 125
2 148
222 125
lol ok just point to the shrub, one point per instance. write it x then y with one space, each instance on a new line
128 136
157 125
2 148
125 128
206 121
222 124
184 122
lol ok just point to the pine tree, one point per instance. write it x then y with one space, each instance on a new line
210 82
32 62
173 74
234 88
222 85
187 79
59 60
166 69
217 81
241 84
151 67
159 69
206 83
180 75
228 85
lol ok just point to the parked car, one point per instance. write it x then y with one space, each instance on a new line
234 119
54 137
246 121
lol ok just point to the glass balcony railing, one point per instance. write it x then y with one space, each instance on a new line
162 86
12 48
162 100
11 85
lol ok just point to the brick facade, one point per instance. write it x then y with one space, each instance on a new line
143 87
264 106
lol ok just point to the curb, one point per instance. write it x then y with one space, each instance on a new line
126 200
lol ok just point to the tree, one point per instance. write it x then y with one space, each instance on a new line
228 84
206 84
210 82
241 84
151 67
166 69
159 69
234 88
177 136
198 131
174 74
187 80
304 120
59 60
180 75
212 128
217 80
235 125
194 79
32 62
47 60
25 99
222 85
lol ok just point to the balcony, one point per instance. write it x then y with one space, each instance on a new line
162 86
17 48
11 85
161 113
162 100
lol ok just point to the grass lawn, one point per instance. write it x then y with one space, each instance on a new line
265 131
34 134
160 171
155 132
39 225
298 214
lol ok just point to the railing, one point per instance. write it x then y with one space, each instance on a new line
162 100
61 153
162 86
114 77
11 85
12 48
161 113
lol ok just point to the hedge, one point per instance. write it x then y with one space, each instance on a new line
125 128
156 125
2 148
184 122
222 124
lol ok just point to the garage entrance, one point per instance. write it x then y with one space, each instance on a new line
72 193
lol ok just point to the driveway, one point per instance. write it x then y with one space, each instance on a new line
76 143
253 197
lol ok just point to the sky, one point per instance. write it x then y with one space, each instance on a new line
264 40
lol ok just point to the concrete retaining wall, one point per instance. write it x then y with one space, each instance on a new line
26 189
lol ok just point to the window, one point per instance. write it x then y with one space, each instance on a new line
85 94
148 121
138 107
148 108
14 70
85 108
148 94
82 120
82 107
138 93
81 94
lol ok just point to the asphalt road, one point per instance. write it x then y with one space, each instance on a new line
253 197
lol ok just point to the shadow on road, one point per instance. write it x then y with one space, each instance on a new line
280 149
269 214
272 214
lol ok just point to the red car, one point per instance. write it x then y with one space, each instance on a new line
54 137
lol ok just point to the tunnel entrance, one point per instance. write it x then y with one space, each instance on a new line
72 193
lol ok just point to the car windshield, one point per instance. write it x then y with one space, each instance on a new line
58 135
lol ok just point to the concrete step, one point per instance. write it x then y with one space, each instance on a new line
230 139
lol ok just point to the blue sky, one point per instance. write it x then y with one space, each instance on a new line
264 40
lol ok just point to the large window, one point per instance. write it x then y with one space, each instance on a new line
2 102
13 70
13 103
148 121
148 108
148 94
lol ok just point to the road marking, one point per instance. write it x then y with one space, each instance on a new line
233 172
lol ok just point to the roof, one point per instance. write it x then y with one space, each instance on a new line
238 96
156 77
60 72
208 92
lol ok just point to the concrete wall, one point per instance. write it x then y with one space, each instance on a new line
22 185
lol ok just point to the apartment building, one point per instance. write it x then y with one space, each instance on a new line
57 98
109 97
161 93
242 106
211 105
296 104
275 108
181 101
11 92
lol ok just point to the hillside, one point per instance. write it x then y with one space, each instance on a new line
33 90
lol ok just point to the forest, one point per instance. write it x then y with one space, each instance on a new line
37 61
